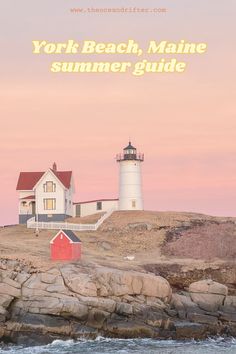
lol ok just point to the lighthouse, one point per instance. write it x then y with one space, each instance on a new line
130 180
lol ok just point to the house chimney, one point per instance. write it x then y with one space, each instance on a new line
54 166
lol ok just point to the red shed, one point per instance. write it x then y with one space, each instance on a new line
65 246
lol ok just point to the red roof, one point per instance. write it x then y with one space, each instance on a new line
29 197
64 177
27 180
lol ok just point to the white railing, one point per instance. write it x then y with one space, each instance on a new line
104 217
32 224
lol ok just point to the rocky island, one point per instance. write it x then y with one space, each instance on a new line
142 274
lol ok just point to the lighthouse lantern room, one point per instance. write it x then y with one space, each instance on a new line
130 181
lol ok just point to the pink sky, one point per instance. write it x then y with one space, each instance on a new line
184 123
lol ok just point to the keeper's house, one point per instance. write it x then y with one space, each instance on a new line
48 196
45 195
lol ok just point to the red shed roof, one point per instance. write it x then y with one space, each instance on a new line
69 234
27 180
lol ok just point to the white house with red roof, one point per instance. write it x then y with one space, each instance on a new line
47 196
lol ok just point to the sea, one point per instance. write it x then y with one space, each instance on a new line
128 346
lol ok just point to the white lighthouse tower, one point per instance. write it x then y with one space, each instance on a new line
130 184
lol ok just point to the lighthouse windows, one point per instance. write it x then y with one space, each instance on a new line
131 151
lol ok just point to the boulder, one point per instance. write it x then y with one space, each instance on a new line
137 285
57 288
130 329
201 318
3 314
5 300
11 282
31 294
44 305
22 277
230 301
42 320
178 305
3 311
123 308
49 278
65 306
106 246
153 317
140 226
121 283
6 289
40 284
108 305
229 304
188 305
78 330
207 294
35 283
155 286
96 318
30 338
228 317
113 282
208 302
155 302
73 308
231 330
190 330
208 286
78 282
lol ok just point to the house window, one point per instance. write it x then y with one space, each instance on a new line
99 205
49 186
49 204
133 203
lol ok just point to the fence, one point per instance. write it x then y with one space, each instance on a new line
32 224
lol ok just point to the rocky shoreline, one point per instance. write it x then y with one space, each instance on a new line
74 300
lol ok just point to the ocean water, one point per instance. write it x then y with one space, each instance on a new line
128 346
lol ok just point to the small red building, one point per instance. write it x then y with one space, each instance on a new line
65 246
